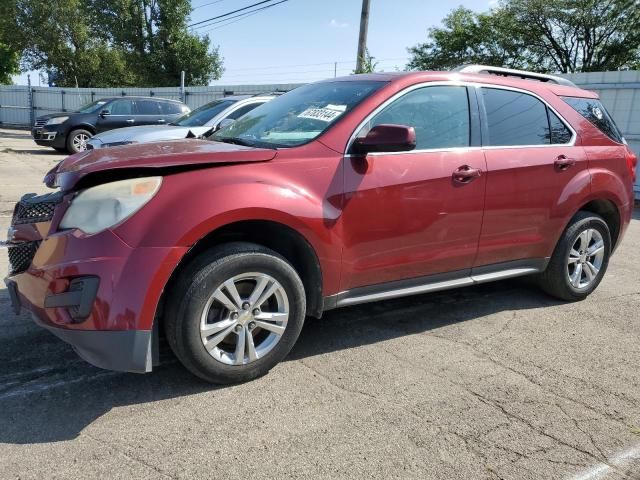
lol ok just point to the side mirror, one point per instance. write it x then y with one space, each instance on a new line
105 113
386 138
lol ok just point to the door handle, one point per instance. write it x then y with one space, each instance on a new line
162 120
563 163
466 174
130 120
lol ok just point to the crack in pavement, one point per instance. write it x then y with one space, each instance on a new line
135 459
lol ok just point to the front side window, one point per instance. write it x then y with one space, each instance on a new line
439 115
201 115
120 107
92 107
299 116
515 118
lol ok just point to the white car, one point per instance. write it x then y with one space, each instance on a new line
203 120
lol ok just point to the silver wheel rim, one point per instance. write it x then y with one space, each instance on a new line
244 319
585 258
80 142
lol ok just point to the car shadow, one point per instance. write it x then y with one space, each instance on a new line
48 394
45 151
15 133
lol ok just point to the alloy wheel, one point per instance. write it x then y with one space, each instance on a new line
244 318
585 258
80 142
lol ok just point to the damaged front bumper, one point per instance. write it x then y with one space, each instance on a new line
95 292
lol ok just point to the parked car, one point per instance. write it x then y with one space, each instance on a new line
196 123
341 192
70 132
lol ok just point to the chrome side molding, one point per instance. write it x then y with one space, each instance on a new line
434 283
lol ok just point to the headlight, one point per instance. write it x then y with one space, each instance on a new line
104 206
56 121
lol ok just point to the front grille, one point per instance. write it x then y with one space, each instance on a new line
35 208
40 122
21 256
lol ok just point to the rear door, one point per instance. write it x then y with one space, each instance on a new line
405 214
534 173
119 113
149 112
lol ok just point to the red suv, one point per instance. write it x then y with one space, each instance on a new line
345 191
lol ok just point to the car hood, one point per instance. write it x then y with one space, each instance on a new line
146 133
111 162
49 116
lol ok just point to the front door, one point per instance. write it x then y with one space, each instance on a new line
416 213
118 113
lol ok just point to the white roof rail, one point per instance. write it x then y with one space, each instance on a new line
510 72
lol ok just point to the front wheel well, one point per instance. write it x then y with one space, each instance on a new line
278 237
609 212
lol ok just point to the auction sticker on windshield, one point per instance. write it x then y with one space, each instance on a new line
324 114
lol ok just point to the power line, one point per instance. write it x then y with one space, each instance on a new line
241 15
229 13
206 4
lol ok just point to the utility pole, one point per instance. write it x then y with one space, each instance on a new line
362 39
335 69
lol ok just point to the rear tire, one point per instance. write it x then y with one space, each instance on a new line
222 321
579 260
77 140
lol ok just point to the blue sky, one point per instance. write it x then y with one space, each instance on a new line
299 40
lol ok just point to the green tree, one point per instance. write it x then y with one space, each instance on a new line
9 52
155 36
104 43
542 35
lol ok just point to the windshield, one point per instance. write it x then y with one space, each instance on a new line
298 116
203 114
91 107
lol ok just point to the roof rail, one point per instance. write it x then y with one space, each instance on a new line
510 72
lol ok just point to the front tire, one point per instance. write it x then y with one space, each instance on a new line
235 312
579 260
77 140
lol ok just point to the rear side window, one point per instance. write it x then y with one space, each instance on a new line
594 111
439 115
147 107
559 131
170 108
242 110
516 119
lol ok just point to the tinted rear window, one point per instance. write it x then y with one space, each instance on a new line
515 118
170 108
594 111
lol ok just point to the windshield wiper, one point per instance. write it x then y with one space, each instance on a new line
235 141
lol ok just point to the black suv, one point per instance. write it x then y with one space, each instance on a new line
69 132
